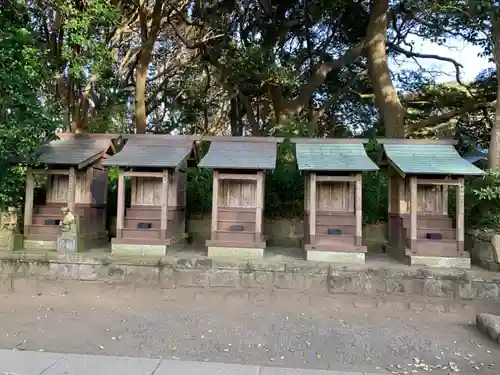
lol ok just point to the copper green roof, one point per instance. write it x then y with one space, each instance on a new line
152 151
331 156
433 159
239 154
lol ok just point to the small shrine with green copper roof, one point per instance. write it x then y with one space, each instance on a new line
333 219
420 173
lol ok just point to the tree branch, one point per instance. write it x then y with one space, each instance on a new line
318 78
408 53
439 119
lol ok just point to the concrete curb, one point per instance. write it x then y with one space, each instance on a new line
37 363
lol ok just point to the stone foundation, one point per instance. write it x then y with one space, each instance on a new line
378 279
440 262
235 252
138 250
336 257
40 245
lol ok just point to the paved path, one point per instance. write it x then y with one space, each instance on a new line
36 363
280 329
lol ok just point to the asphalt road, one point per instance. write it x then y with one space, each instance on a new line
281 329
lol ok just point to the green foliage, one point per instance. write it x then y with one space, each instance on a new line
375 202
25 121
199 191
482 202
284 185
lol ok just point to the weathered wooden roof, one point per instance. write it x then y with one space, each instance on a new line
433 158
152 151
241 154
333 155
78 150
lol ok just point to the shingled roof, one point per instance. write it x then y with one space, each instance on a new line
152 151
78 150
335 155
241 154
427 157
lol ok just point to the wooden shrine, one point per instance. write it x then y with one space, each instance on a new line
239 168
333 218
420 173
156 166
76 179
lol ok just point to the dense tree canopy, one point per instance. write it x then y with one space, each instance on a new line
261 67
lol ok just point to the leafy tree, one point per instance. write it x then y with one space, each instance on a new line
26 117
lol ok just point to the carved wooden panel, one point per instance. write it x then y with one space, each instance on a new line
335 196
236 193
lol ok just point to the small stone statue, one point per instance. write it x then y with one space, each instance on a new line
68 221
10 238
10 220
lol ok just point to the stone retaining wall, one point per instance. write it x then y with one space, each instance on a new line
384 279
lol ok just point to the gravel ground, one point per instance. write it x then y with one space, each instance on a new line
279 329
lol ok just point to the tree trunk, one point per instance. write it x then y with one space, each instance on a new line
141 75
391 110
494 151
141 71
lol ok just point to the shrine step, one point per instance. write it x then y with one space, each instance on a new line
322 239
53 230
40 219
234 225
142 212
443 248
140 241
335 218
446 233
430 221
228 214
142 233
52 209
231 236
344 229
131 223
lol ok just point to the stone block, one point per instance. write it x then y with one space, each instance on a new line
336 257
10 241
39 269
441 262
316 282
114 272
485 290
289 280
69 244
263 279
140 250
167 278
489 324
88 272
235 252
404 286
224 278
67 271
40 245
351 282
149 275
464 290
191 278
434 287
